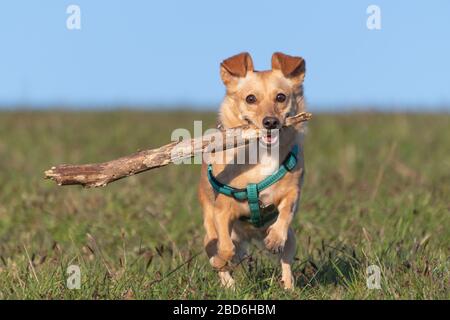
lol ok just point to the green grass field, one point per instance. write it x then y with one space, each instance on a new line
377 192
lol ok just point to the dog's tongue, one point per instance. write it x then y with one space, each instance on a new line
268 138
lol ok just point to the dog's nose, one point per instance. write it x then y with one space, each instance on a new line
270 123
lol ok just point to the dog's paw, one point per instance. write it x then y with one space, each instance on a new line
275 241
219 264
227 281
288 282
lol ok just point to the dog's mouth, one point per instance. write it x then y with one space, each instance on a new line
270 138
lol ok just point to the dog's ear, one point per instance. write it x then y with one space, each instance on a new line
291 67
235 67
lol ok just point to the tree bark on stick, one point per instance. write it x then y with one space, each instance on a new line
100 174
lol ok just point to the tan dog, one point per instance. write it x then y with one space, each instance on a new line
263 99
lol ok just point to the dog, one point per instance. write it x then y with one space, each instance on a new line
262 99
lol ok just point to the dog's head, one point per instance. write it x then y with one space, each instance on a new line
262 98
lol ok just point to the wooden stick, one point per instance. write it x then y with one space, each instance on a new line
100 174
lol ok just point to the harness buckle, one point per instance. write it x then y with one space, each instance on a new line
268 213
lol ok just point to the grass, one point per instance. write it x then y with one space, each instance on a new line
377 191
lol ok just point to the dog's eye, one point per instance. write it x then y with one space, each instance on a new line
250 99
280 97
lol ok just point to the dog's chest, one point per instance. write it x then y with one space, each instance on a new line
267 166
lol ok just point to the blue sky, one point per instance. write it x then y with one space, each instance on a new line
168 52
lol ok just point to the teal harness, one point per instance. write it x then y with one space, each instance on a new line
259 215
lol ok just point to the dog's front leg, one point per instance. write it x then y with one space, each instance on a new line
225 246
277 233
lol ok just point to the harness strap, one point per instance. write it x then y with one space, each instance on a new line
253 203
